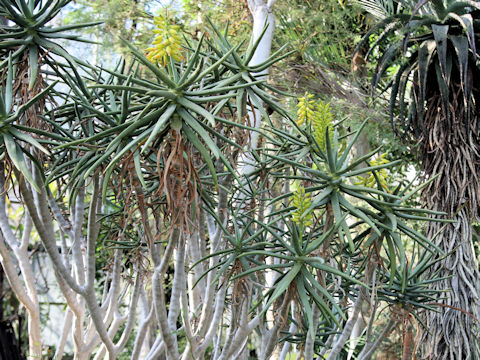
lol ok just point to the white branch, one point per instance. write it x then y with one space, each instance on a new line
142 330
66 329
46 233
347 329
369 348
160 304
132 311
13 279
77 255
217 315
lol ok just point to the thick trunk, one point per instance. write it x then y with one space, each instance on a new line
34 335
454 328
451 151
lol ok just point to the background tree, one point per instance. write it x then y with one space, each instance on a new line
434 103
129 19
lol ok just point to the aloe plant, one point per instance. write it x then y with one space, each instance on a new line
14 136
143 194
27 45
30 36
326 246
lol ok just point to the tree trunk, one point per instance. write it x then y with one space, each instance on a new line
452 152
454 328
262 13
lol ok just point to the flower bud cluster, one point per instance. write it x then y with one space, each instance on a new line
167 43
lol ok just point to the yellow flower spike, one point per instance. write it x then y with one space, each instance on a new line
306 108
167 42
382 174
322 119
302 201
316 114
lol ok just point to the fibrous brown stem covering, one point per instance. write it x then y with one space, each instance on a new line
451 149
